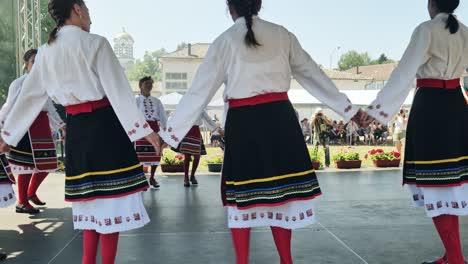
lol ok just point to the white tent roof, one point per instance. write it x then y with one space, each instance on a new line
171 100
358 97
302 97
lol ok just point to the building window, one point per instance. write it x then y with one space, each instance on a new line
179 76
176 85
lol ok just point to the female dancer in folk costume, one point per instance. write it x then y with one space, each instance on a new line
192 146
155 115
435 168
35 155
104 178
7 195
267 181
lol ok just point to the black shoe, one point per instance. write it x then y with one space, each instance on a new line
3 256
21 209
193 181
445 261
186 184
35 200
154 184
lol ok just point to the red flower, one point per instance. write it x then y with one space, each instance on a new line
396 154
373 152
380 151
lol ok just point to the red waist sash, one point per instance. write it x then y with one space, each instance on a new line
436 83
258 99
87 107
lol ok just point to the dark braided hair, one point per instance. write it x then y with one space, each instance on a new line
247 9
28 55
449 6
60 11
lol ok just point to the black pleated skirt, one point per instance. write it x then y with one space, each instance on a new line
266 161
436 152
101 162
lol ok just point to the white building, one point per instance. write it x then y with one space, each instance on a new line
179 69
123 48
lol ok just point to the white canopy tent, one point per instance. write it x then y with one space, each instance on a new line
306 104
170 101
302 100
300 97
358 97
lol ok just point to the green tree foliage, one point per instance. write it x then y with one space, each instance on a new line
47 23
148 66
383 59
8 41
7 47
182 45
353 59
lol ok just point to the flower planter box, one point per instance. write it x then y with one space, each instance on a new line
387 163
351 164
172 168
215 167
316 165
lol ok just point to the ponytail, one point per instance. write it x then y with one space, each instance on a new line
60 11
53 35
449 6
452 24
250 39
247 9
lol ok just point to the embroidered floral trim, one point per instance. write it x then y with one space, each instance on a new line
382 113
131 132
8 197
440 204
272 216
176 139
149 108
107 221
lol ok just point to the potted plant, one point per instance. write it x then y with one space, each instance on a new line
172 162
316 156
347 160
384 159
215 163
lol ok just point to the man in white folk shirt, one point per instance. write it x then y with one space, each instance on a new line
155 115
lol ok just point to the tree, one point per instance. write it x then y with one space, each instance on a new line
47 23
182 45
7 47
383 59
353 59
148 66
8 41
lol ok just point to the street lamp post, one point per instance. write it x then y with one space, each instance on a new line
331 56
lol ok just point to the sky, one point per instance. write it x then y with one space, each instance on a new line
373 26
